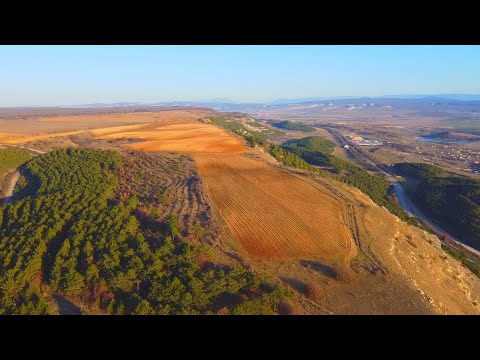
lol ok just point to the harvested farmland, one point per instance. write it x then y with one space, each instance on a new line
272 213
39 126
24 139
180 136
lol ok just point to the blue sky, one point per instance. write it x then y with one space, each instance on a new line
66 75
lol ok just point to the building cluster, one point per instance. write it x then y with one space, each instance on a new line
451 153
360 141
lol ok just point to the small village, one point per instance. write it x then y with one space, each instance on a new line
360 141
452 153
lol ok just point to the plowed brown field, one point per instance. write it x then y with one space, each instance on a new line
179 136
272 213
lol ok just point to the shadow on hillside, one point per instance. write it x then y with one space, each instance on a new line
296 284
318 266
66 307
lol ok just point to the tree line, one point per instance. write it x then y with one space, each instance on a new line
252 137
288 125
290 159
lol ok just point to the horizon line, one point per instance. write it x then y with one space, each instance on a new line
231 101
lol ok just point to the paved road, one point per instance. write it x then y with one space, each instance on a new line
412 210
405 201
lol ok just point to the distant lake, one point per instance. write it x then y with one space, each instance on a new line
438 140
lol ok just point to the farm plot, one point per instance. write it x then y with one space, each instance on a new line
38 126
180 136
272 213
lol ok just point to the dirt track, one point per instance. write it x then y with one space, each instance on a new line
11 187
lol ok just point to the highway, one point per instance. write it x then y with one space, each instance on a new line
412 210
405 201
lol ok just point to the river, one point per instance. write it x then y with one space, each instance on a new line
450 141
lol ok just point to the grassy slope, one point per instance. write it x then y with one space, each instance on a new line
12 158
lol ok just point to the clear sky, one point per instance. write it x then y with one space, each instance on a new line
67 75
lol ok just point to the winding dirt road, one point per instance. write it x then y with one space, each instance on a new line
26 148
11 187
13 181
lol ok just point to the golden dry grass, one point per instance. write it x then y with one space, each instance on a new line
179 136
444 282
117 129
272 213
22 138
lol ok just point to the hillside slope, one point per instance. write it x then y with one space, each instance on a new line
400 269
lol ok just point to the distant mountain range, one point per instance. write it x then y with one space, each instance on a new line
225 104
459 97
103 105
311 99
